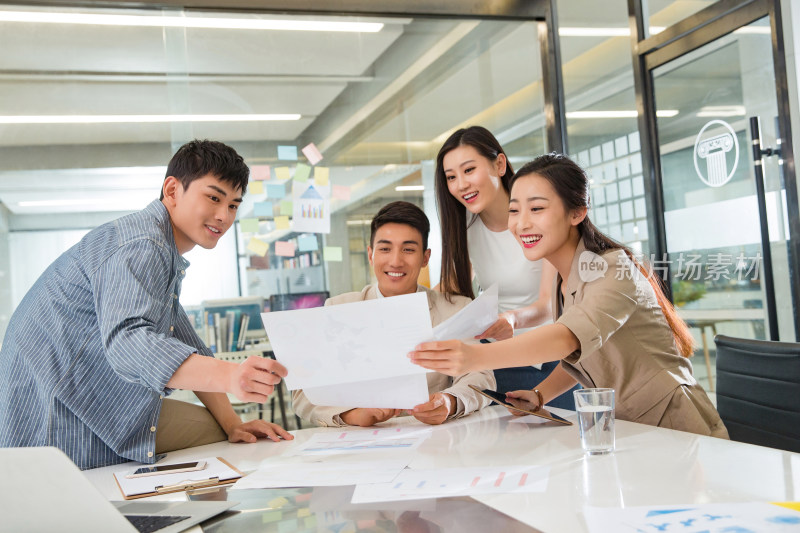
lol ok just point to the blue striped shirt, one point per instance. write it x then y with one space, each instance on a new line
89 351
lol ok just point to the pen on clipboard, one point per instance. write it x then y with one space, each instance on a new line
188 485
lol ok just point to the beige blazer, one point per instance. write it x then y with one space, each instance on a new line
467 400
626 344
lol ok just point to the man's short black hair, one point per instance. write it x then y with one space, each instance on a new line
198 158
402 213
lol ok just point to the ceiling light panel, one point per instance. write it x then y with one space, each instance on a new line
169 21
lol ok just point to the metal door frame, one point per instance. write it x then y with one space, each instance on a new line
703 27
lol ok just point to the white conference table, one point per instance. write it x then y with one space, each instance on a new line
651 466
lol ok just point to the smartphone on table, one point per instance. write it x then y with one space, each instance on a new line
167 469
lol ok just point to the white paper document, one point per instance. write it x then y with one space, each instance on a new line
361 341
709 518
445 482
147 484
472 320
395 439
399 392
321 473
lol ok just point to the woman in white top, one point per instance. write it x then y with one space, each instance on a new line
472 176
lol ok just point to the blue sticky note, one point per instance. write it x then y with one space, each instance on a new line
276 190
287 153
262 209
307 243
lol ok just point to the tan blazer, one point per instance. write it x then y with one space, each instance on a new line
626 344
467 400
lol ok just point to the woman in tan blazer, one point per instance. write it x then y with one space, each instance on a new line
613 325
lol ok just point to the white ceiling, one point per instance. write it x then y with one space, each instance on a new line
367 99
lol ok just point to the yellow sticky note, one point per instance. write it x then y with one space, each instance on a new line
332 253
249 225
258 247
255 187
788 505
305 511
277 502
321 176
281 222
286 207
283 173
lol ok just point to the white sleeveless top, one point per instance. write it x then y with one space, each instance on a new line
497 258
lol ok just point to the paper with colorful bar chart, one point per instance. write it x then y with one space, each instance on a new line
738 517
321 472
390 439
445 482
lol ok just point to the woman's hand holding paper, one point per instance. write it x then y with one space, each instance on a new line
448 357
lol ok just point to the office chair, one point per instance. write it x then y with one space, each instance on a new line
758 391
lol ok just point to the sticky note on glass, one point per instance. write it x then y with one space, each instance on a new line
281 222
287 153
276 190
283 173
284 248
301 172
249 225
307 243
332 253
262 209
255 187
321 176
286 207
312 153
258 247
259 172
342 192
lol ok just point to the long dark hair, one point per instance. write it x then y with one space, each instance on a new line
572 186
456 276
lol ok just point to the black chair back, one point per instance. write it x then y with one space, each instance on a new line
758 391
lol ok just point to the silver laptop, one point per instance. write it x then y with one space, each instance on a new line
42 490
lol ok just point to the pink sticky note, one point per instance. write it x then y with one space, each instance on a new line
312 153
259 172
284 248
342 192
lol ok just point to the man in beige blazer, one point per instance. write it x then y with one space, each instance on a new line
397 252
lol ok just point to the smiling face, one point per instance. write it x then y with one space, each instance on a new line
397 256
201 213
473 179
540 222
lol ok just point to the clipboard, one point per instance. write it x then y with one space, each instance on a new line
218 472
501 399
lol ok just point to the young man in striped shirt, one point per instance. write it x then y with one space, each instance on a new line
100 339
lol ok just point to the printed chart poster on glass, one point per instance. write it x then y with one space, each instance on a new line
311 210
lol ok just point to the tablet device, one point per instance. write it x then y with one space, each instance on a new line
501 399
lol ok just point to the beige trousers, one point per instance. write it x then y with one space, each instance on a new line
184 425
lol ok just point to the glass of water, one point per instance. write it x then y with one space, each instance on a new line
595 419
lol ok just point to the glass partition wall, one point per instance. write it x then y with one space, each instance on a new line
93 103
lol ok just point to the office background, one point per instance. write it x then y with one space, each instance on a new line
91 110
